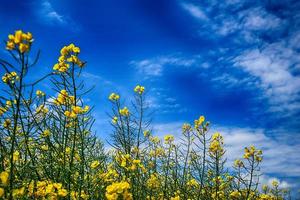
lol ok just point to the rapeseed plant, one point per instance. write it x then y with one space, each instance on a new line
48 149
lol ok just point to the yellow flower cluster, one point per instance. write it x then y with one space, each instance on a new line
124 112
11 77
147 133
68 55
111 174
186 128
95 164
75 110
46 189
192 183
139 89
39 93
238 163
6 123
153 182
21 40
199 122
2 111
118 190
169 139
128 163
252 152
46 133
216 145
4 178
157 152
154 139
235 194
42 109
114 97
114 120
64 98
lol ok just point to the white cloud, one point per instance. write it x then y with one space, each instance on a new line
258 19
272 64
93 78
48 13
148 67
195 11
160 102
155 66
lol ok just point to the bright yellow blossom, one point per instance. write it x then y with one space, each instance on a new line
95 164
139 89
124 111
114 97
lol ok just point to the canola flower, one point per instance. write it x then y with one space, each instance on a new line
124 112
139 89
117 190
10 78
19 41
114 97
68 56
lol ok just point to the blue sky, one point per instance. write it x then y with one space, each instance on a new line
236 62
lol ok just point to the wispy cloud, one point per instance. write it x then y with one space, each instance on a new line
160 102
273 65
49 14
154 67
195 11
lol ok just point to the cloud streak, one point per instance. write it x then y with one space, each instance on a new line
50 15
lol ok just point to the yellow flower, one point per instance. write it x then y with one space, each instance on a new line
168 139
16 156
186 127
238 163
1 192
6 123
153 182
192 183
199 122
117 189
23 47
139 89
46 133
114 120
70 114
42 109
114 97
62 192
18 36
61 67
4 177
124 111
23 40
45 147
95 164
275 183
39 93
147 133
2 110
10 45
18 192
216 145
235 195
11 77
